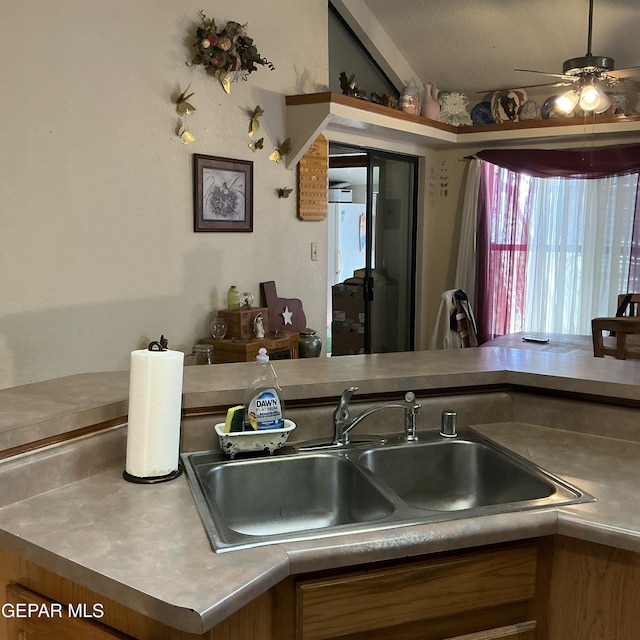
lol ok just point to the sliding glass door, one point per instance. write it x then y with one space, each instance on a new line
384 234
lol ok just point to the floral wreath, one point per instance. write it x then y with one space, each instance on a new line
228 54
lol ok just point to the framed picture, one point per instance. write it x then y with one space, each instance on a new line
223 194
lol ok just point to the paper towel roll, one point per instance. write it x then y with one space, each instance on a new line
155 398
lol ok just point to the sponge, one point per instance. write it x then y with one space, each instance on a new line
235 419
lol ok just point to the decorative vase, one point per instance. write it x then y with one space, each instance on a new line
310 344
410 101
430 104
233 297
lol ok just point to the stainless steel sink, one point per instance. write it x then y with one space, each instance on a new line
297 495
274 496
451 475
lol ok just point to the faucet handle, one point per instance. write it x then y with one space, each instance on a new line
342 410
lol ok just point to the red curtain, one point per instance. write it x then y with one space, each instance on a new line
503 223
600 162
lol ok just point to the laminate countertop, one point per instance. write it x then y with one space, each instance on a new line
144 545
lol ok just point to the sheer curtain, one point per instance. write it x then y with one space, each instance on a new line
558 238
466 263
579 247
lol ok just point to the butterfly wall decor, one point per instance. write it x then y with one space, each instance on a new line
280 151
258 144
285 192
254 123
183 107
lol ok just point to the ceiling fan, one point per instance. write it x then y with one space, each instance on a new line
587 76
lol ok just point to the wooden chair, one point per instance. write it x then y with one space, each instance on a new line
631 306
618 345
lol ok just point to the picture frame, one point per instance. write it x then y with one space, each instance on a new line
223 194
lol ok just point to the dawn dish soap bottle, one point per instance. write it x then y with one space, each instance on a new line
263 401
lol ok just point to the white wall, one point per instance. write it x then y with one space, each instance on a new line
97 252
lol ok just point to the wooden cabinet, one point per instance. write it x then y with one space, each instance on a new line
451 596
594 592
553 588
284 345
447 596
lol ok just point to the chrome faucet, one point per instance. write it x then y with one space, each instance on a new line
342 423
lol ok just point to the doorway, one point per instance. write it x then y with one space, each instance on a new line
372 248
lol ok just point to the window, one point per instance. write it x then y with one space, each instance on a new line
348 54
553 252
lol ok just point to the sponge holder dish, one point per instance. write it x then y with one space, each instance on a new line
265 441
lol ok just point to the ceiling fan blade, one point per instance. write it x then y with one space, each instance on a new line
546 73
625 73
633 83
529 86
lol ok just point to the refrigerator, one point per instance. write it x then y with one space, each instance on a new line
347 253
347 240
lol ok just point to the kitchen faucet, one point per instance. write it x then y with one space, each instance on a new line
342 423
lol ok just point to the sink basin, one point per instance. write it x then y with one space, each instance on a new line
301 495
270 498
454 475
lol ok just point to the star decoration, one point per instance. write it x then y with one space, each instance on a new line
286 314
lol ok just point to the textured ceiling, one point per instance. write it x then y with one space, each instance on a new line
474 45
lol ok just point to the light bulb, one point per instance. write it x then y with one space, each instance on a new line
589 98
593 98
567 101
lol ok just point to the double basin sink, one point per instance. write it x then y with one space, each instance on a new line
306 495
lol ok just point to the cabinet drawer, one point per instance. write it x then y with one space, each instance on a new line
364 601
521 631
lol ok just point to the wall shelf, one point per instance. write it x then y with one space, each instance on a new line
310 115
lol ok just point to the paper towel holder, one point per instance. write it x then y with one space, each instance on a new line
156 345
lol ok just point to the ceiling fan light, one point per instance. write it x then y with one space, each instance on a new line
593 98
567 101
605 100
589 98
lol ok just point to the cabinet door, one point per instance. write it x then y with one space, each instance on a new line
49 620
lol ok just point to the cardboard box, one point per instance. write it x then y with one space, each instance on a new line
347 303
347 338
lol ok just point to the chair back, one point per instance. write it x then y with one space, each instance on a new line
456 326
622 343
628 305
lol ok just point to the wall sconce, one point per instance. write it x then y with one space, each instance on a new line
589 95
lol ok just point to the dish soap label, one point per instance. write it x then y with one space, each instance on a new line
263 403
265 410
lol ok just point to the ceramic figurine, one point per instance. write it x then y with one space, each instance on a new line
430 104
529 111
258 326
453 108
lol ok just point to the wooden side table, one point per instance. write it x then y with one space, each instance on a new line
233 350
